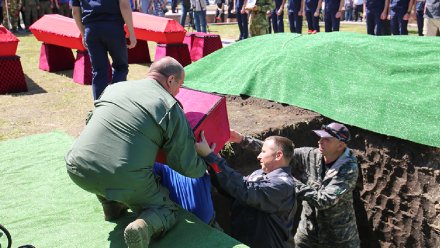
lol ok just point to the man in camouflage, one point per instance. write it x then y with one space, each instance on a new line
14 7
258 23
30 8
325 187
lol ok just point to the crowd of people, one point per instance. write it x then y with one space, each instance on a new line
15 12
382 17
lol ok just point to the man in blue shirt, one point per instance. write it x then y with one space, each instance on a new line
278 16
242 19
101 23
399 15
295 14
312 9
376 13
332 14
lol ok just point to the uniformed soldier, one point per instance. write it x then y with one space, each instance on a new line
114 155
14 7
258 23
30 8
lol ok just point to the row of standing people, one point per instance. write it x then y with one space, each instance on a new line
377 13
31 11
383 17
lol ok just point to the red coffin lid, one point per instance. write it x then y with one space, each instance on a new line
57 30
6 36
158 29
8 42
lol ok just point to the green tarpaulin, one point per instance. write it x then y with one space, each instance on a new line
388 84
40 205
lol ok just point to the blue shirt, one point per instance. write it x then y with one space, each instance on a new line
294 5
99 10
239 5
278 4
193 194
311 5
399 5
375 5
420 6
331 6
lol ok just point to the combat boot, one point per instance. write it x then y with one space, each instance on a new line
112 209
137 235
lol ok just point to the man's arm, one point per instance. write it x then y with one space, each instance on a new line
302 8
124 6
280 10
383 15
247 142
341 5
332 190
408 11
318 8
179 145
266 194
76 13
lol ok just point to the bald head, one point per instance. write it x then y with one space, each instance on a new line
168 72
167 66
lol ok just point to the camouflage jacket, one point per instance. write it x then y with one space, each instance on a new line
327 217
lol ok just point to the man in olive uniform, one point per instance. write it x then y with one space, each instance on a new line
258 23
30 8
114 156
14 7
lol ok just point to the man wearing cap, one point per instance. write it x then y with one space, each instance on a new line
325 187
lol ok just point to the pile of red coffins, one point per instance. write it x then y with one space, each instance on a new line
59 35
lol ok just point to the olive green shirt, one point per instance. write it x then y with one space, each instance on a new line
131 121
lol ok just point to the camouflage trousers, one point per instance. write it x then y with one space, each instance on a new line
258 24
13 9
30 15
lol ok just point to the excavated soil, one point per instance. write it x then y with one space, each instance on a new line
397 201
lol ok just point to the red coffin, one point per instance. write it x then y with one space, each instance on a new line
8 43
58 30
205 112
12 78
158 29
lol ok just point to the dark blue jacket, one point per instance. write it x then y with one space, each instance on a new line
331 6
294 5
311 5
375 5
264 204
99 10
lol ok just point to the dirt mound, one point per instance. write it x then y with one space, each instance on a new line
397 201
